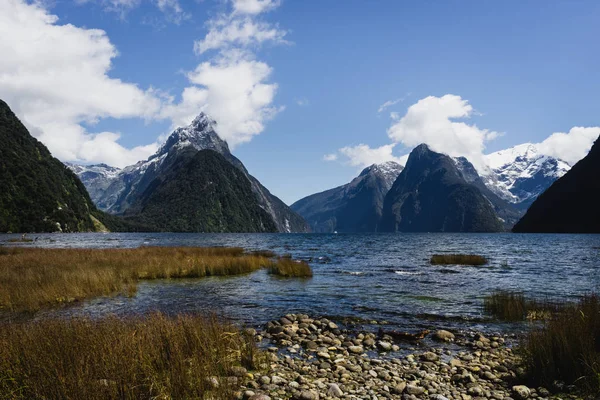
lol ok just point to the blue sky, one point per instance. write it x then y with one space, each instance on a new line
518 71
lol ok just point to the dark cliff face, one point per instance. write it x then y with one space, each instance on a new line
570 205
38 193
124 190
354 207
432 195
509 213
200 191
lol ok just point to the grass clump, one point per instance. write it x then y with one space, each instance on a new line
290 268
506 306
458 259
567 347
146 357
514 306
263 253
19 240
34 278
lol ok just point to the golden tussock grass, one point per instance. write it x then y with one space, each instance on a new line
458 259
145 357
290 268
566 347
34 278
514 306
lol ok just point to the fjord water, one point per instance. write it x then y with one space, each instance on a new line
369 276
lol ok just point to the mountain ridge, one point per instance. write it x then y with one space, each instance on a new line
352 207
123 191
39 193
200 192
521 173
431 195
570 204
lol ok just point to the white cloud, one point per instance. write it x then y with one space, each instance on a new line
572 146
330 157
172 10
233 90
362 155
233 87
388 104
391 103
228 31
55 77
433 120
103 148
302 102
403 159
254 7
119 7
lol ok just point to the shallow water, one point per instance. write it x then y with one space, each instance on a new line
370 276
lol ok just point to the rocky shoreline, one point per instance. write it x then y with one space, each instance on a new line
314 358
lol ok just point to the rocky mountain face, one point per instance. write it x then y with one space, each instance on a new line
432 195
570 204
520 174
123 190
514 179
39 194
97 178
354 207
508 211
200 192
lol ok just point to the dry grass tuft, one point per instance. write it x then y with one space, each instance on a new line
458 259
506 306
513 306
288 268
151 357
263 253
34 278
567 347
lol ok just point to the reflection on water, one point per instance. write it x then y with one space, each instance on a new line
372 276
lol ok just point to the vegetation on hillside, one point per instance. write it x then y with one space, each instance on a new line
39 194
201 192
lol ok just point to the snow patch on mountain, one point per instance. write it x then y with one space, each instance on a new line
523 171
99 170
115 194
389 170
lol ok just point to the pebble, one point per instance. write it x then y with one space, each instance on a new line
521 392
315 358
443 336
334 390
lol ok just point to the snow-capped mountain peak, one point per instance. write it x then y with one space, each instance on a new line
523 171
389 170
503 157
200 134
